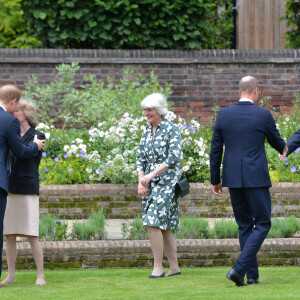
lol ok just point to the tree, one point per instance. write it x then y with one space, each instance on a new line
14 27
292 16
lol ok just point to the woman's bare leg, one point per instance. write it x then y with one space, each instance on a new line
37 251
171 251
11 256
156 243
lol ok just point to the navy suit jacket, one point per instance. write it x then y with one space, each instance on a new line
242 128
10 139
293 142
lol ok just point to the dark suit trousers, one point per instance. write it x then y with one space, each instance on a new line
252 211
3 199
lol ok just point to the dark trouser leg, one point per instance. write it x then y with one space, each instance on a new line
251 205
3 197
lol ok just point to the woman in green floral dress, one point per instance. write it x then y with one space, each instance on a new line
158 160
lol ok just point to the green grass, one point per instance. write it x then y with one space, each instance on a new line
194 283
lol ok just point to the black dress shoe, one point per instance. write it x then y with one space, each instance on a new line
236 278
252 281
157 276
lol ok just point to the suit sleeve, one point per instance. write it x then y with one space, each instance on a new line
216 151
16 144
293 142
273 135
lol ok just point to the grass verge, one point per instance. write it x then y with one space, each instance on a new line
194 283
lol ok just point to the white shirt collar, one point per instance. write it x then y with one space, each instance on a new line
3 107
245 99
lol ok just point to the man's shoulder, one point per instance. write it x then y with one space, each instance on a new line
6 118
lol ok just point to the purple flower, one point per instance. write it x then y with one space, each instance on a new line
82 152
58 223
46 169
66 155
70 170
286 163
56 159
293 169
99 171
44 154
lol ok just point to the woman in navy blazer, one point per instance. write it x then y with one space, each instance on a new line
22 212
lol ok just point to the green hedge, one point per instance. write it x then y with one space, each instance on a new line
127 24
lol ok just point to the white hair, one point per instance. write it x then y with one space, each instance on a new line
156 101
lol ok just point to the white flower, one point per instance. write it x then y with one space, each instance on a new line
185 168
43 126
47 135
89 170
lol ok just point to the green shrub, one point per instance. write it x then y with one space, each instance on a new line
193 228
60 103
52 229
91 229
284 228
226 229
134 231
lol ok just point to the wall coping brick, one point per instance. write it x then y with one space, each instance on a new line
91 189
110 56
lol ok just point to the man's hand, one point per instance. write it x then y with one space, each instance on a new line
217 189
283 155
40 143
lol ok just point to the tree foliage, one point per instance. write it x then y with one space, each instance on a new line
292 16
128 24
14 27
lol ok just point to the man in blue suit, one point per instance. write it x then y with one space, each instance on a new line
10 139
242 128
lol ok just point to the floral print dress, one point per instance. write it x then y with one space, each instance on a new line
160 207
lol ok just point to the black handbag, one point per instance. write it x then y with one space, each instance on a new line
182 188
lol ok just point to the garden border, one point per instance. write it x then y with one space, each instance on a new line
138 254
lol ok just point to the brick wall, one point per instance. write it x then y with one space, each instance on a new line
138 254
122 201
200 79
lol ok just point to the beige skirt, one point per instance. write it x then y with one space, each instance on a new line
21 215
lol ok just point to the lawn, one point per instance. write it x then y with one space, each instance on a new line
194 283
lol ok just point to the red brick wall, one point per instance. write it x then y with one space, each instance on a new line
200 79
121 201
138 254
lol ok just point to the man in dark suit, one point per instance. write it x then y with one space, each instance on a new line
10 139
242 128
292 143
